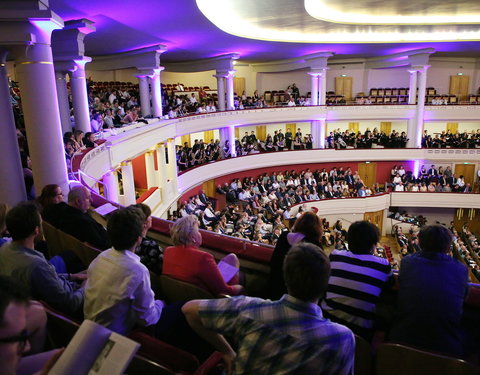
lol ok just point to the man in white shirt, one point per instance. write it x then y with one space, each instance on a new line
193 99
118 294
399 187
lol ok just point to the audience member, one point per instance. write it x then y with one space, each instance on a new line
73 218
30 269
186 262
17 332
285 336
356 281
433 286
307 228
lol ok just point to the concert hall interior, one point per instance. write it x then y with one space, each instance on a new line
183 151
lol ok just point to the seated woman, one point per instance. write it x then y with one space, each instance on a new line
186 262
307 228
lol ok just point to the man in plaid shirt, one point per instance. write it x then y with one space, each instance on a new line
288 336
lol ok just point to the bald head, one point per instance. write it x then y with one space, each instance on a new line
80 198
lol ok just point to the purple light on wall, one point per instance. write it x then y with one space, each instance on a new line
416 168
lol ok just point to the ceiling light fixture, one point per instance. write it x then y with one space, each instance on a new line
223 14
321 9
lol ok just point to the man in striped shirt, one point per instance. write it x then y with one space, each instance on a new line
356 281
288 336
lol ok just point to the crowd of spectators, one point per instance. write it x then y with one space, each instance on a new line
259 209
103 294
447 139
432 180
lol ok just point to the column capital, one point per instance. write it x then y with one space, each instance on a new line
125 163
419 68
158 145
224 73
68 43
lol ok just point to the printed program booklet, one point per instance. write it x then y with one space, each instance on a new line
95 350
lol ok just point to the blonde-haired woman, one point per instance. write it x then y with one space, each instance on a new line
186 262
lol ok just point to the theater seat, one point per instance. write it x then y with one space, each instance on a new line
396 359
52 236
176 290
363 357
85 252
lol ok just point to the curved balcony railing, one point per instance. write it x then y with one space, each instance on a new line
136 139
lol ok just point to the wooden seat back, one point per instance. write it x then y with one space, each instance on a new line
396 359
176 290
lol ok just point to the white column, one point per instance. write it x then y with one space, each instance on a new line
223 137
128 183
412 91
150 169
80 97
144 95
411 133
318 133
156 92
230 104
162 172
314 88
63 104
36 76
110 186
172 164
422 86
220 91
12 188
231 137
322 87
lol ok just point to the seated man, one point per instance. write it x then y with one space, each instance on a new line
356 281
433 286
73 218
30 269
118 294
288 336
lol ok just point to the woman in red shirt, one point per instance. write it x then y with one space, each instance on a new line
186 262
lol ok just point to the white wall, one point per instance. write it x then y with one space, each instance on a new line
191 79
280 81
356 71
439 73
250 76
394 77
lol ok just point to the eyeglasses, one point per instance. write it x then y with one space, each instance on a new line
22 339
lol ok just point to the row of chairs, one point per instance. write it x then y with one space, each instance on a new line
155 356
474 99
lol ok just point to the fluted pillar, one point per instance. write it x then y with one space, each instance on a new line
12 188
152 180
110 186
128 183
230 103
156 92
318 133
412 91
78 84
144 89
63 103
220 90
314 88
